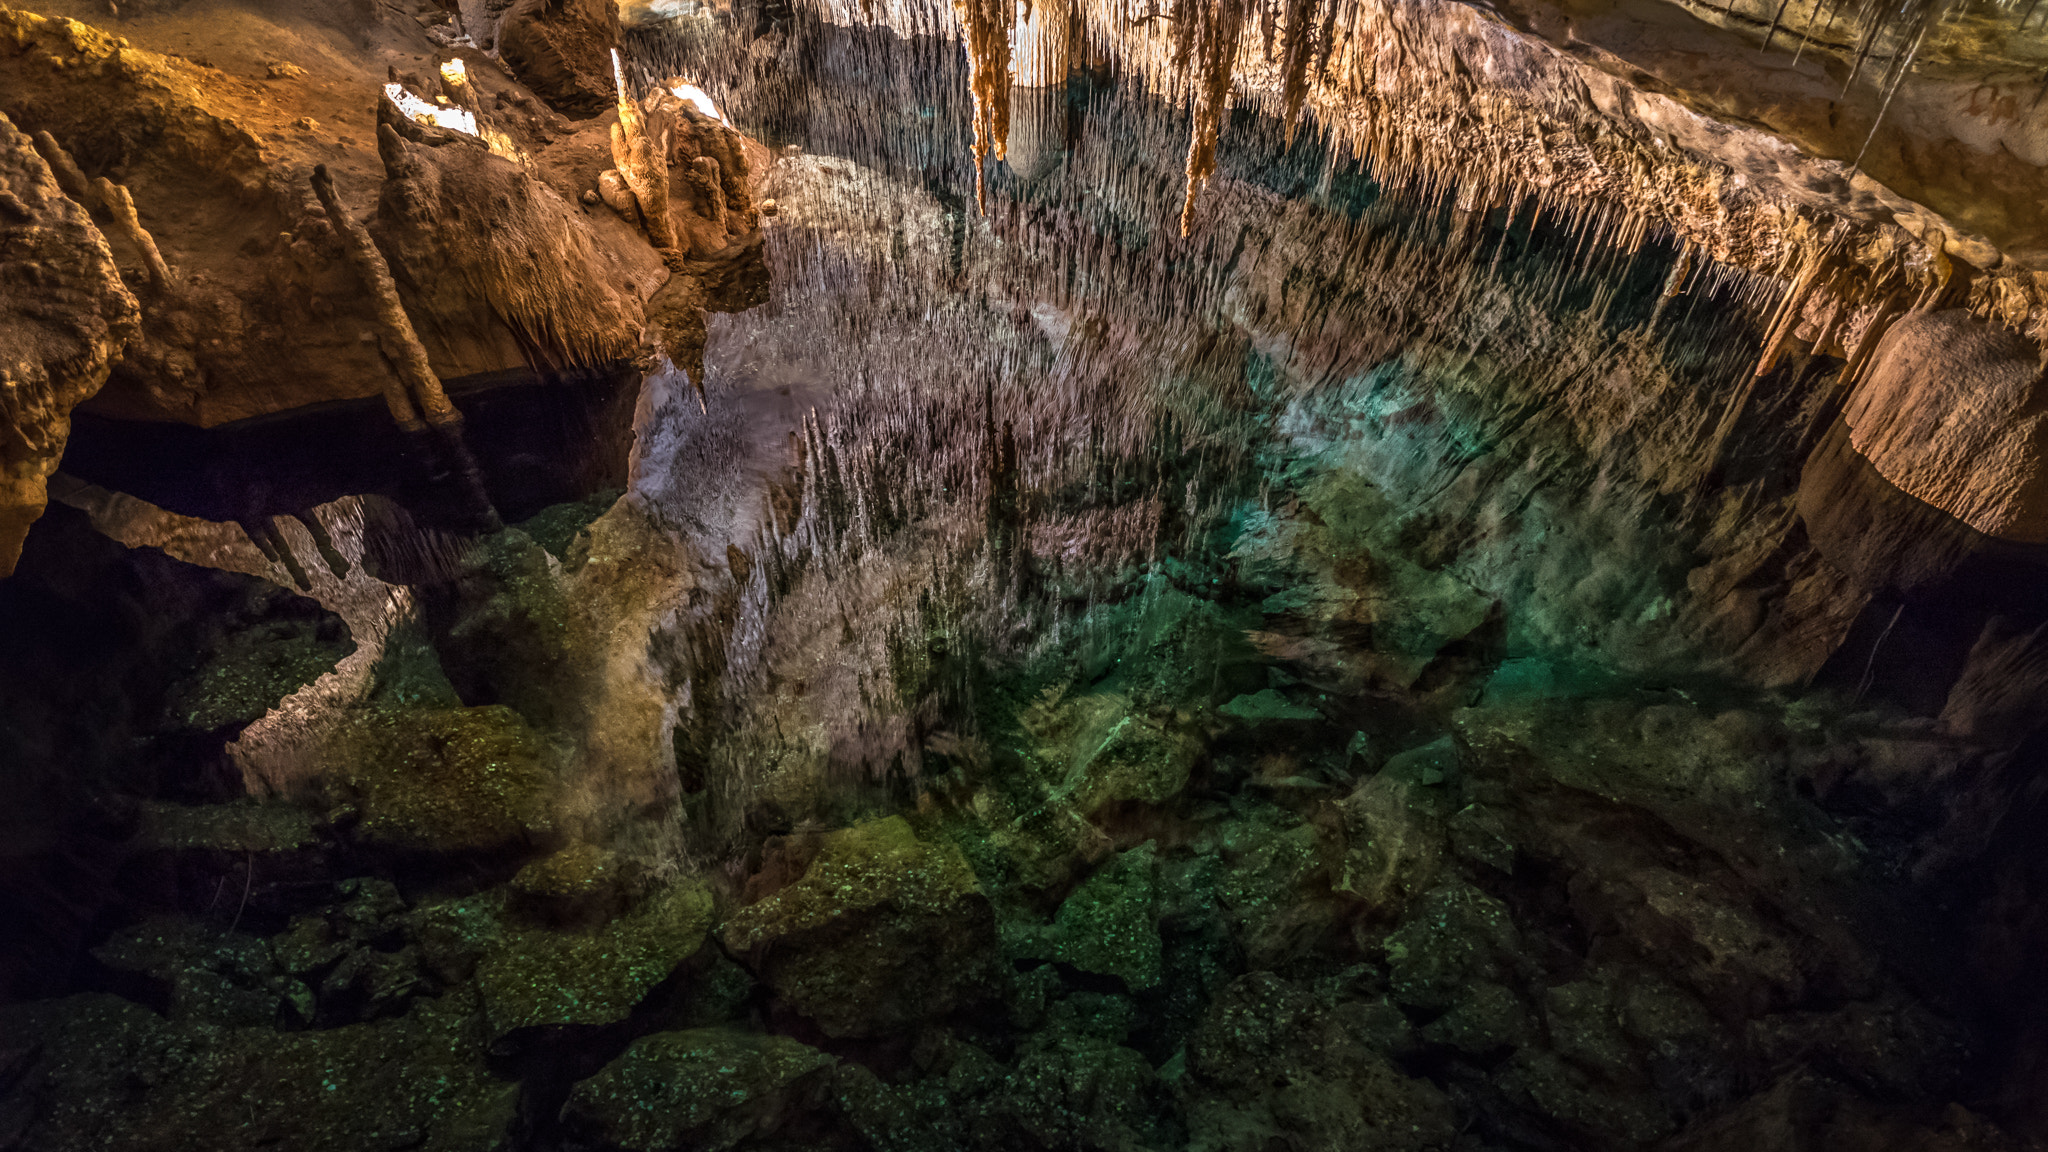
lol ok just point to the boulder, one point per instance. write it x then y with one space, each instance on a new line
446 780
1274 1069
882 931
707 1089
1954 412
1110 924
533 975
110 1076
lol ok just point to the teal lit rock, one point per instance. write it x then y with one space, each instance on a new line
1266 705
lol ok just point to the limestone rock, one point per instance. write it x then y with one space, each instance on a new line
447 779
1270 1062
1952 412
882 931
1110 924
561 49
1265 706
478 245
64 317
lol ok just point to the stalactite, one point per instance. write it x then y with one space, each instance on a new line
1297 51
1788 315
1206 38
987 24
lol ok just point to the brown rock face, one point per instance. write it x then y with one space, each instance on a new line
562 50
64 316
1955 412
480 247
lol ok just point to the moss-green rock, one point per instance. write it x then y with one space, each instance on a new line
1110 925
532 975
706 1089
110 1076
448 779
578 871
883 930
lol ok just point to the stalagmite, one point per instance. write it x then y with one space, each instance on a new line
987 24
121 206
704 178
642 162
612 189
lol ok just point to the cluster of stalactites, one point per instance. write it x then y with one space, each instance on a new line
987 25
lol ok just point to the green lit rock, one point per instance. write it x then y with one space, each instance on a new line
706 1089
533 975
581 884
1134 759
1274 1067
259 665
578 872
209 976
1431 764
883 930
1098 748
1454 935
448 779
107 1075
1266 705
454 935
1110 925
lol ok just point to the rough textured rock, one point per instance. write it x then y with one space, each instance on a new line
446 780
562 50
1952 412
64 318
482 245
111 1076
535 975
1269 1062
883 930
263 314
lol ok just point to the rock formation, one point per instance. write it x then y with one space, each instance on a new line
1406 576
65 316
560 50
